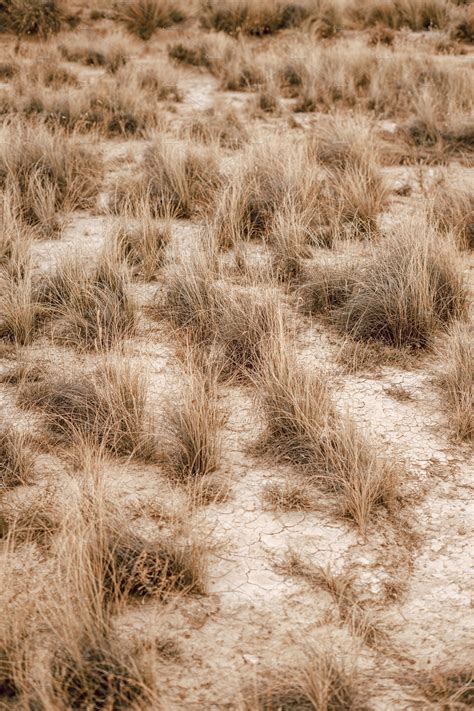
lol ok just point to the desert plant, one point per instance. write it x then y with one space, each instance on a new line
304 428
16 457
408 288
47 173
139 568
20 311
321 681
96 675
193 429
456 380
448 686
452 210
140 242
93 308
109 54
106 409
254 18
33 17
143 17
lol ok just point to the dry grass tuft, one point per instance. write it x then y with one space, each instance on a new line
96 675
176 180
105 409
138 568
16 458
452 689
235 323
47 173
219 124
32 17
93 308
289 495
322 681
254 18
140 243
192 429
407 290
109 54
452 210
456 380
303 428
144 17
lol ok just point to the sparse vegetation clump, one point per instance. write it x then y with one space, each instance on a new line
32 17
89 307
177 180
456 380
192 429
140 242
452 211
47 174
144 17
304 428
16 457
321 681
105 409
410 287
253 18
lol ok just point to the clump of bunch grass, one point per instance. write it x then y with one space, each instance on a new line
47 173
140 568
456 380
320 681
140 242
107 409
236 321
143 18
452 209
192 429
90 308
109 53
32 17
409 288
16 457
254 18
177 180
96 674
304 428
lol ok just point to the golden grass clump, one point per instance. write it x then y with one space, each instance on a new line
304 428
106 409
417 15
91 308
140 242
175 180
108 53
321 681
456 380
16 457
20 311
235 322
47 173
260 17
452 210
409 287
192 429
143 18
32 17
